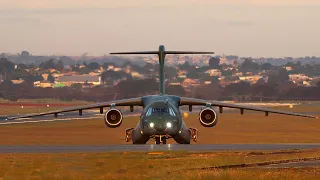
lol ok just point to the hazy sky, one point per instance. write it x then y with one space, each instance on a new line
247 28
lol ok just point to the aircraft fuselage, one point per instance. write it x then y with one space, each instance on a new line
161 116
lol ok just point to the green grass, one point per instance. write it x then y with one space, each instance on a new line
170 165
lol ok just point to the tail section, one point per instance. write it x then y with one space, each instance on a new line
162 54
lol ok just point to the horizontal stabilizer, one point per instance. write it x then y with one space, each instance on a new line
187 52
141 52
165 52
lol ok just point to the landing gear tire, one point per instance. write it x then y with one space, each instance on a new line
128 134
164 140
157 140
194 134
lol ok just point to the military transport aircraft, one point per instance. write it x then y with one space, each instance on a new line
161 117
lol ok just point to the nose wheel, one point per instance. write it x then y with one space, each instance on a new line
129 134
160 140
194 134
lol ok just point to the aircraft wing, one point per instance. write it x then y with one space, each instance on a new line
124 102
200 102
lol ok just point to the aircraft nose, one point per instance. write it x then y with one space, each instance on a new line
160 127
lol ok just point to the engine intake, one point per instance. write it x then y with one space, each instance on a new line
208 117
113 118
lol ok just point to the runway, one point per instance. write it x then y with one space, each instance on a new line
304 164
149 148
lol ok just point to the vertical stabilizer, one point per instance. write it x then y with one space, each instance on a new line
162 54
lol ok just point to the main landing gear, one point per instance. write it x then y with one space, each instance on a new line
129 134
194 134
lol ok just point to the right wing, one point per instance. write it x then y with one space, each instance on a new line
200 102
124 102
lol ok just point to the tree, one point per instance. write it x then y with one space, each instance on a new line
50 78
266 66
249 66
50 64
176 90
21 67
93 66
113 75
34 77
238 89
214 62
25 54
170 72
226 73
59 66
261 81
6 66
210 91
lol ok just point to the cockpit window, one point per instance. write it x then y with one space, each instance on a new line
172 112
160 110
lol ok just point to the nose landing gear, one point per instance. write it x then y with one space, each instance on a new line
161 139
194 134
129 134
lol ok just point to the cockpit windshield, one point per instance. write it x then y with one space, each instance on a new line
165 110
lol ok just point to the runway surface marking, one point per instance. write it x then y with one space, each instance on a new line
150 148
301 164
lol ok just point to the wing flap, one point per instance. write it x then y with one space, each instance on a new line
200 102
125 102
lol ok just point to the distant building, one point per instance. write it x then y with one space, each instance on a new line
306 83
251 79
137 75
289 68
17 81
79 79
182 74
43 84
298 77
190 82
213 72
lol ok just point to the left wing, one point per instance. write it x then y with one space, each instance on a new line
200 102
124 102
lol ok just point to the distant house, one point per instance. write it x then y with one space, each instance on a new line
17 81
43 84
182 74
190 82
288 68
137 75
213 72
251 79
79 79
306 83
298 77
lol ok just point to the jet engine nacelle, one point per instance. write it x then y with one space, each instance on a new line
208 117
113 118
